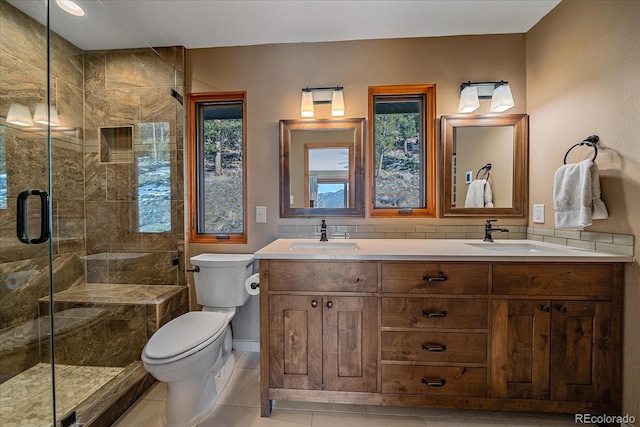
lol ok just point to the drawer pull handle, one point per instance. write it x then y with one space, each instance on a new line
431 383
562 309
441 277
545 308
426 313
434 347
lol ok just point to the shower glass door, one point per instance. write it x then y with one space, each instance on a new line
26 249
91 207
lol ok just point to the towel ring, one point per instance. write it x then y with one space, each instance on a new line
591 141
486 167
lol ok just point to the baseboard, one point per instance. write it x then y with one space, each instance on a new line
246 345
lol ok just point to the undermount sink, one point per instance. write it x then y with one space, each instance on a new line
519 248
331 246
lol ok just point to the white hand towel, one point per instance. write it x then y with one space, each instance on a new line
488 195
599 210
574 190
476 194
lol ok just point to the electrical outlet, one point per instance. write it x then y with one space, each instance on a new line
538 214
261 214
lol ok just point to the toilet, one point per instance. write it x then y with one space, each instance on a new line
192 353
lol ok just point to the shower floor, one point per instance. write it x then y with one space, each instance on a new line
26 398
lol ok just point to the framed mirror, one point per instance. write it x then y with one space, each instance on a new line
321 167
484 166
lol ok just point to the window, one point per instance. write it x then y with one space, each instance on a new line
402 150
154 178
217 165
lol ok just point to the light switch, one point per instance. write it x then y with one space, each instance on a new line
538 214
261 214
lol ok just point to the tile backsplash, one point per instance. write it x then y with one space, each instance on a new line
596 241
398 232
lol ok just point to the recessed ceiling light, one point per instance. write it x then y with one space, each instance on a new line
70 7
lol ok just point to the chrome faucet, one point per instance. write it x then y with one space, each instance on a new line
323 232
488 231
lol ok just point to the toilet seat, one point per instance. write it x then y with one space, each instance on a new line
184 336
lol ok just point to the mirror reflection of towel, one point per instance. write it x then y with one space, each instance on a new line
479 194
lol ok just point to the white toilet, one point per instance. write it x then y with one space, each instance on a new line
192 353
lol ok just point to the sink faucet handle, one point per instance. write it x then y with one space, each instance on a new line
489 221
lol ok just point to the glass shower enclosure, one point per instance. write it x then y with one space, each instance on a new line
91 211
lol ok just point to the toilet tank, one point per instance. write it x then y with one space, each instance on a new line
220 281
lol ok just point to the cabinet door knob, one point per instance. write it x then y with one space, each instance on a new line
427 314
434 347
432 383
562 309
314 303
545 308
441 277
329 304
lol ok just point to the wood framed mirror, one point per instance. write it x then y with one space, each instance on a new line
484 169
321 168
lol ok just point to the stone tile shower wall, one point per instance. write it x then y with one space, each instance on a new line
127 88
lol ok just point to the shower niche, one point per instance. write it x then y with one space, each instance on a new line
116 144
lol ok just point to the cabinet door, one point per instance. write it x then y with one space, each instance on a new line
350 343
520 349
295 342
581 351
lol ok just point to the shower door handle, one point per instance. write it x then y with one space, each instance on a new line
21 222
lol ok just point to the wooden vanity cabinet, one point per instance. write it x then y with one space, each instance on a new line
556 333
517 336
434 328
323 342
323 325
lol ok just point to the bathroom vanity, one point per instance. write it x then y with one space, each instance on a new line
515 325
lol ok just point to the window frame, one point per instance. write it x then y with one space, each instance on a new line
428 149
193 144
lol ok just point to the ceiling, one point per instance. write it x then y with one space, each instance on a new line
111 24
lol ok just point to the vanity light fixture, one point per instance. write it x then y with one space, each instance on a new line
499 92
19 115
322 95
468 100
40 115
71 7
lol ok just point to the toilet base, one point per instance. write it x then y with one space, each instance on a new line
182 397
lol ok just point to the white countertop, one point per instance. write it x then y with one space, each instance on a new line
431 250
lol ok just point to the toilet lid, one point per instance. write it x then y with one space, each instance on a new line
184 333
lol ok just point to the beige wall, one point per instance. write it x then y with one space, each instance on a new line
273 76
580 67
583 65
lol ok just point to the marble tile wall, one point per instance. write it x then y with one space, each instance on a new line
124 88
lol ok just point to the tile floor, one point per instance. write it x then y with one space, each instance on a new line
239 406
26 400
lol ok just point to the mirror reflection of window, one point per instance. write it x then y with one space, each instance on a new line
327 173
154 178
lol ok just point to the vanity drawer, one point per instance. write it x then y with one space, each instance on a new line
441 313
553 279
323 276
435 278
434 380
428 347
